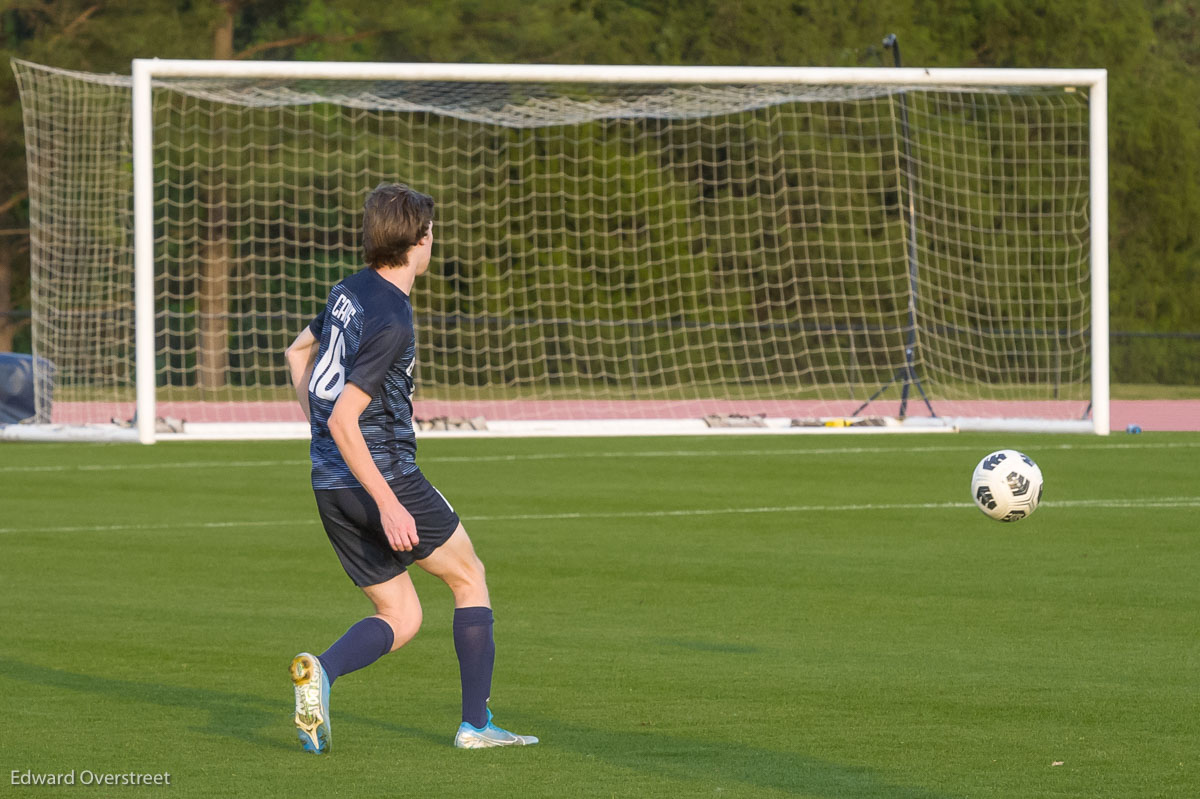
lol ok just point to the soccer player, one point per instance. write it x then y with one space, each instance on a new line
352 367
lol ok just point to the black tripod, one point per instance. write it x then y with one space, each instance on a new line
906 375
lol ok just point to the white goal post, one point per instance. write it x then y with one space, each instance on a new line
781 249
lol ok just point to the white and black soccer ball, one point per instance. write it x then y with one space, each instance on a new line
1007 485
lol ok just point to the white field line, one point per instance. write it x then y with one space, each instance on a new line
98 467
1149 502
583 455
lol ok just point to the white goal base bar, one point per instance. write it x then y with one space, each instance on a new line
567 428
68 432
633 428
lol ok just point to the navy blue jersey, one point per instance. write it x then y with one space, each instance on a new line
367 338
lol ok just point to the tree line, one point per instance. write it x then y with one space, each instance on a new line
1151 49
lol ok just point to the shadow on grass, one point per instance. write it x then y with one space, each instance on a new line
720 765
717 647
259 722
242 717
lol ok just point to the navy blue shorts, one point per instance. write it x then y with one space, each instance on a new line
351 520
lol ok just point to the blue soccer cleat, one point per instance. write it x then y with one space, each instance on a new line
312 703
469 737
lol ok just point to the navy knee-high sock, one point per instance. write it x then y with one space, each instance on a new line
363 644
476 652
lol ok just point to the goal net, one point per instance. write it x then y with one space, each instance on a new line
778 247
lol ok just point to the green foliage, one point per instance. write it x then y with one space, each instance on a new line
1151 49
1167 359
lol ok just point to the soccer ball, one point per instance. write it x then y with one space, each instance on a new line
1007 485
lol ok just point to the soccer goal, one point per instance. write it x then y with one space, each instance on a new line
617 249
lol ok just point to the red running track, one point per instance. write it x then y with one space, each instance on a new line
1150 415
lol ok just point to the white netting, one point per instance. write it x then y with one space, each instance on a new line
601 251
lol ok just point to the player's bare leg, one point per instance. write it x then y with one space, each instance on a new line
456 564
397 604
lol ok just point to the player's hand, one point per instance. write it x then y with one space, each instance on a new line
399 527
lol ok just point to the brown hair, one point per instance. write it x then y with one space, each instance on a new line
395 218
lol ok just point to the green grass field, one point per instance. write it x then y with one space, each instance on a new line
795 616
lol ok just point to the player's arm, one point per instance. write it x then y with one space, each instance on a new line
301 354
398 524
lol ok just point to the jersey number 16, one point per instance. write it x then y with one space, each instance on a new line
329 375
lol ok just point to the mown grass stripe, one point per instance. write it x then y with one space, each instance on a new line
1145 502
586 455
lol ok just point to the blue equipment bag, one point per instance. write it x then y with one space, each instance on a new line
16 387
